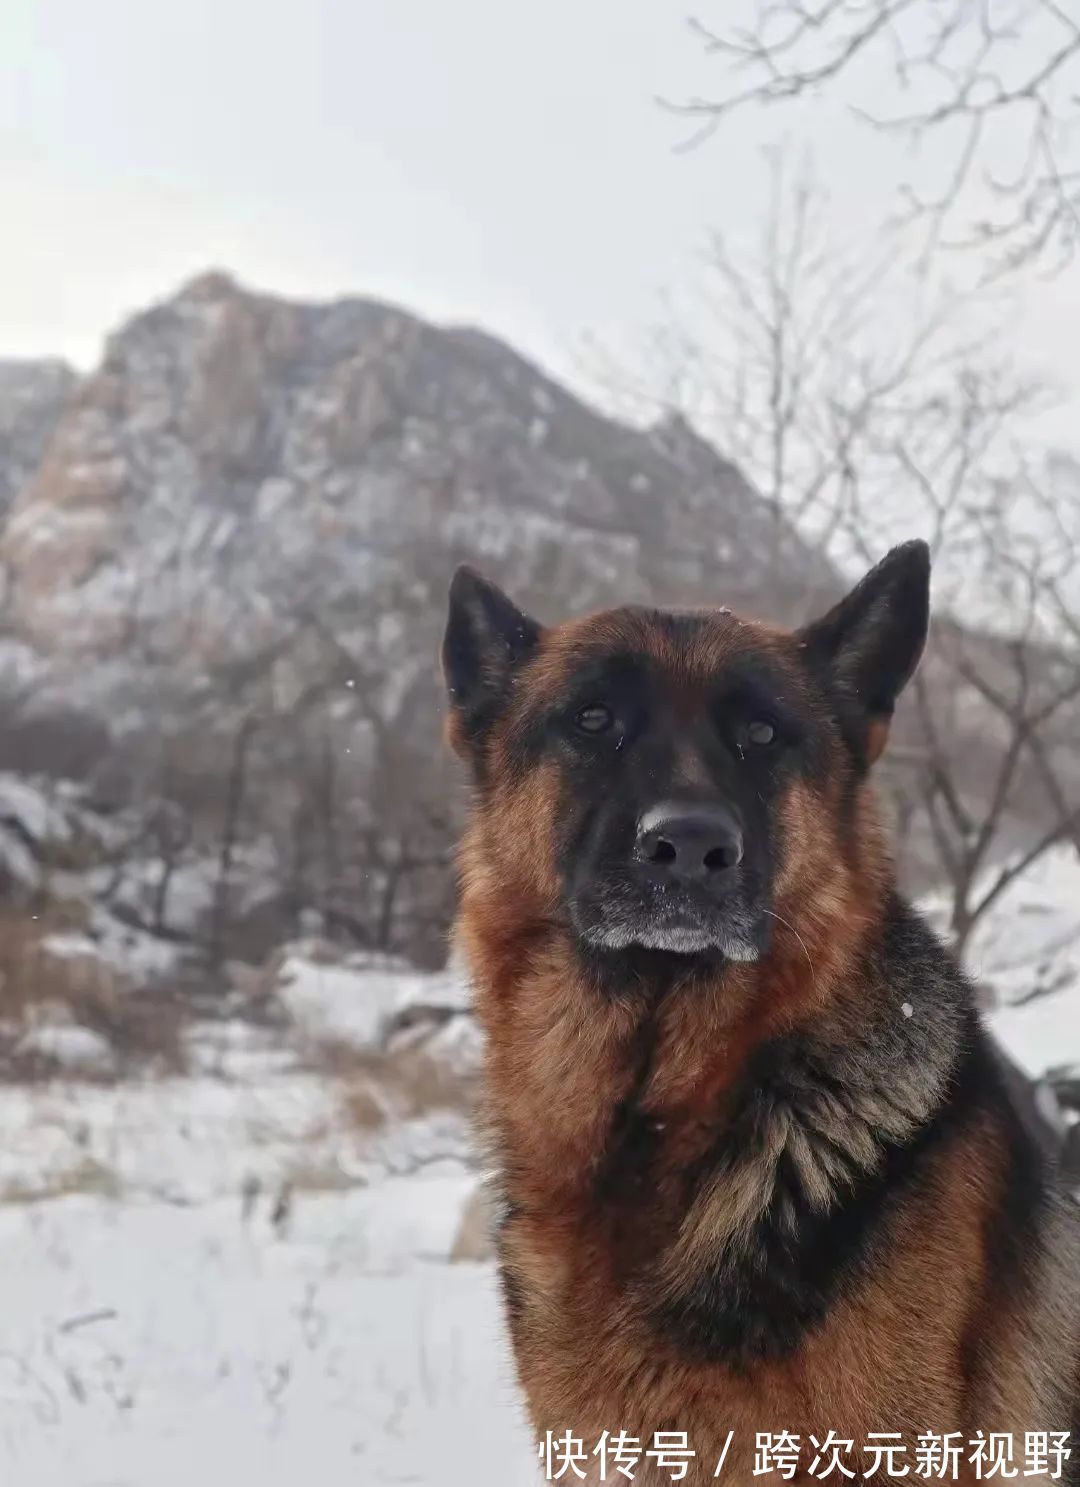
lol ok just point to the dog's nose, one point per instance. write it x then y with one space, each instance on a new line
689 841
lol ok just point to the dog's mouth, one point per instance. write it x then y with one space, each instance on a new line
681 920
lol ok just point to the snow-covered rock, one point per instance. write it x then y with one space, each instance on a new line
68 1047
355 999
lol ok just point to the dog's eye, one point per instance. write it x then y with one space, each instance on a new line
760 733
595 718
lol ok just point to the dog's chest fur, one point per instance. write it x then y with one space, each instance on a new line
679 1245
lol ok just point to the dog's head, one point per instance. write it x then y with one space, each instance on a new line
668 783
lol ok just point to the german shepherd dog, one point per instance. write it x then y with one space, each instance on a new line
759 1170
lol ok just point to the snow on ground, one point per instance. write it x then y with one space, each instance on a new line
132 952
147 1345
351 1000
1044 1034
225 1277
1028 953
252 1113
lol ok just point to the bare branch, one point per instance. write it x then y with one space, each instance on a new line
994 102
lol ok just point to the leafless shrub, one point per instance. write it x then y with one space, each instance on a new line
401 1084
141 1028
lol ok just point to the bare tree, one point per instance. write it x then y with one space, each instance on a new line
809 360
235 794
864 412
990 89
375 803
994 811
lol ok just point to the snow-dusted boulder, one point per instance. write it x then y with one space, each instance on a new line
56 1039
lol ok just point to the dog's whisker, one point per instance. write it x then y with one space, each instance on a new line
802 944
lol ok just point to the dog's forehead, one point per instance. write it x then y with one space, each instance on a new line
692 646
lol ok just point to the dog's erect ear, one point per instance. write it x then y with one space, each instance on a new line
872 640
486 638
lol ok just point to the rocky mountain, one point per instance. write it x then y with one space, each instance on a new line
236 454
33 395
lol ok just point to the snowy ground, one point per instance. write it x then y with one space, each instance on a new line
147 1344
1028 952
222 1277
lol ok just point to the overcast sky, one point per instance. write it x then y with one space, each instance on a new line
470 159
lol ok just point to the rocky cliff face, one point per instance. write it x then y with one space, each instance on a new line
32 397
236 455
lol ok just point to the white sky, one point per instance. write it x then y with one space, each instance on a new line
470 159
